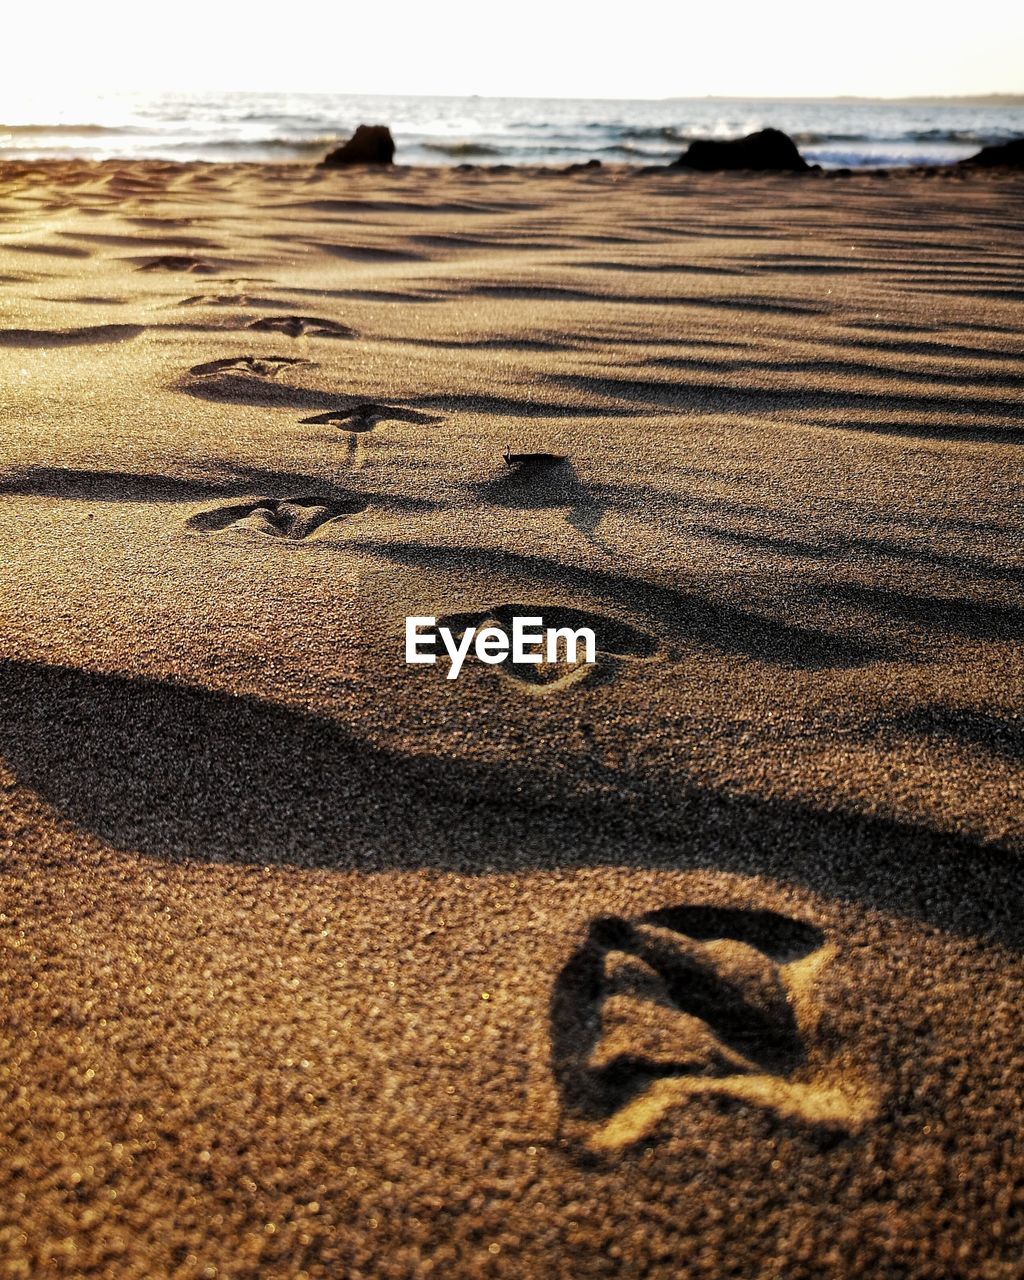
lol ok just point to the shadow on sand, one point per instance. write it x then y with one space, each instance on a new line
178 773
685 620
544 481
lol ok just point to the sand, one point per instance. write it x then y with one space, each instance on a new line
704 961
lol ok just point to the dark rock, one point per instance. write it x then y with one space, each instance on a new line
769 149
370 144
1009 155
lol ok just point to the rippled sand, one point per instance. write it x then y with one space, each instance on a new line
703 961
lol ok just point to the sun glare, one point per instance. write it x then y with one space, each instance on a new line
68 51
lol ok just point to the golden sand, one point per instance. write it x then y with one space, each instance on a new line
703 961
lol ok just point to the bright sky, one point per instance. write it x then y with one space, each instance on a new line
61 49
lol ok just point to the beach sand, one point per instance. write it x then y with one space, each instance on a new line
704 961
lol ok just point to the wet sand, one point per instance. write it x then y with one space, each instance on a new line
705 960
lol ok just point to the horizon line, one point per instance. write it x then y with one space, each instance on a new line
1016 96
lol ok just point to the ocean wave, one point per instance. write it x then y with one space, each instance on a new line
460 148
891 157
84 130
254 145
633 151
643 133
976 137
814 138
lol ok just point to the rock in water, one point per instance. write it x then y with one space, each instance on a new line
768 149
370 144
1008 155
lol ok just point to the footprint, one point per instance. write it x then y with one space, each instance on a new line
364 417
248 366
178 262
297 326
216 300
291 518
688 1001
615 641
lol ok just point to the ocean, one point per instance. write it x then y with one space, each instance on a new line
525 131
